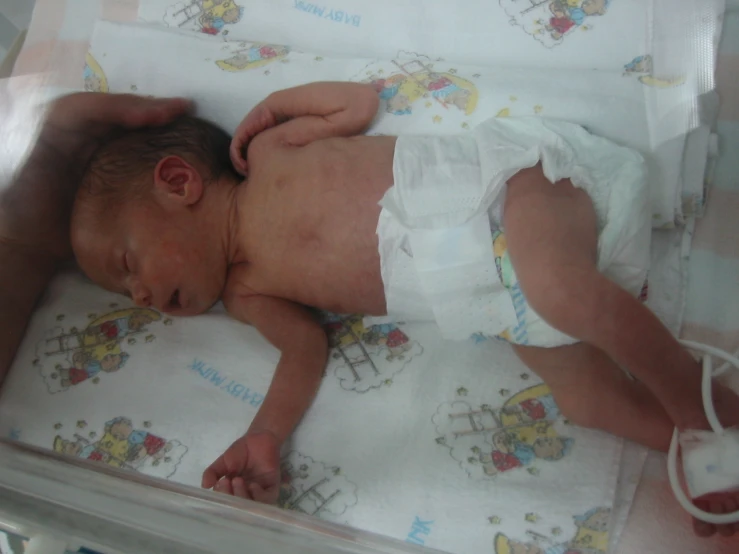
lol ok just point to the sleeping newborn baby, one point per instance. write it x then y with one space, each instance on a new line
530 230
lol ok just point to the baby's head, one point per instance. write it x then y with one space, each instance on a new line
151 216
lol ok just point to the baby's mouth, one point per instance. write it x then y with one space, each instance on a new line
174 301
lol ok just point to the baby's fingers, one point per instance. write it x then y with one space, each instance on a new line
224 486
253 491
215 471
238 156
266 496
239 487
235 459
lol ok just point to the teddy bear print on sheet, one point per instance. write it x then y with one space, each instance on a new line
553 21
120 443
590 536
83 352
246 56
364 358
641 66
413 84
94 76
522 433
212 17
310 487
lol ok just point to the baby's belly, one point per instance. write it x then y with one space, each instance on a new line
342 282
354 291
338 267
340 274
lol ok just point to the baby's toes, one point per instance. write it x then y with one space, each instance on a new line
722 506
717 503
731 505
703 529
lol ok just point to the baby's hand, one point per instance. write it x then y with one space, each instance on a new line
250 468
319 110
259 119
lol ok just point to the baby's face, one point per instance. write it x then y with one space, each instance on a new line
159 258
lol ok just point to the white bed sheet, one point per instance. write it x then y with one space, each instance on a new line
671 272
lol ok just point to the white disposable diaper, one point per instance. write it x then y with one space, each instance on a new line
438 221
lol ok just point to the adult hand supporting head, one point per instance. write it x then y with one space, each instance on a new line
35 207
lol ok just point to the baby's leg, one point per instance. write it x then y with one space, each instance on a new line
592 391
552 242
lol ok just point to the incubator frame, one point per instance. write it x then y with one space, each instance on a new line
75 503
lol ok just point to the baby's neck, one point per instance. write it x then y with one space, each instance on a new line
218 218
231 202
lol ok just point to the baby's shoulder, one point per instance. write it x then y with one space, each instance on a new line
238 283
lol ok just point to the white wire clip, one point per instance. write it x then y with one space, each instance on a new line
706 393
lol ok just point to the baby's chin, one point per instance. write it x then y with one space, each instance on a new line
199 295
201 305
195 308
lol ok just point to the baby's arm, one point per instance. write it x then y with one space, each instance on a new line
307 113
250 468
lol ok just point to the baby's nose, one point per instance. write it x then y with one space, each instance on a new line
142 300
141 296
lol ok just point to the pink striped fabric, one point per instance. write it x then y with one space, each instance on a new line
712 314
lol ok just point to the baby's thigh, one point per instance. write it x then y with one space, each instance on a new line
549 225
552 238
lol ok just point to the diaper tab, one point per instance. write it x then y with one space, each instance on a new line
457 272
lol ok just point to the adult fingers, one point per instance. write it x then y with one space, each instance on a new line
93 111
152 112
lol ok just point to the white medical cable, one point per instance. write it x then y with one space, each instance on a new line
706 381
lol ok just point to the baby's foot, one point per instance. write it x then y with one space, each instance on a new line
726 405
717 503
724 502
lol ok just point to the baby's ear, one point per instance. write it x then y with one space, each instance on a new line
177 183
